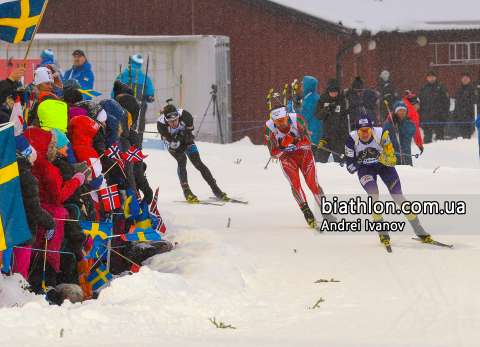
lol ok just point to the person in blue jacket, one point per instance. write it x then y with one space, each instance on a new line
81 71
404 128
134 78
310 99
48 58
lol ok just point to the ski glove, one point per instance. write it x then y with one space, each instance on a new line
361 156
421 150
367 153
96 182
49 234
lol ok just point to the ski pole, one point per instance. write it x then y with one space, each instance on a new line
268 162
408 155
328 150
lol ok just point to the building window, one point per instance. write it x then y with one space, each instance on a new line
456 53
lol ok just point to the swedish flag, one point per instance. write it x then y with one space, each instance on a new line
18 19
132 208
143 220
91 93
13 223
101 229
99 277
139 234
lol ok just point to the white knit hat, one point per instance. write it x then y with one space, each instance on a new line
137 59
102 116
42 75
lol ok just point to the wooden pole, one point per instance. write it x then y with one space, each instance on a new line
93 163
120 255
34 33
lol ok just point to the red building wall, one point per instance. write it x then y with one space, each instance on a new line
268 49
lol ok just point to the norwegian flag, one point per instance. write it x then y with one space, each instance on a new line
134 154
114 152
153 206
161 226
110 198
17 117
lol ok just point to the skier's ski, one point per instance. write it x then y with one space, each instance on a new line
236 201
201 202
317 228
433 242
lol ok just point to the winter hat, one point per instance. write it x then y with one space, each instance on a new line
385 76
93 108
78 52
121 88
431 73
71 83
363 121
412 99
332 86
466 73
42 75
358 83
130 103
75 112
137 60
61 138
399 105
23 146
47 54
47 96
57 81
53 114
72 96
102 116
278 113
81 167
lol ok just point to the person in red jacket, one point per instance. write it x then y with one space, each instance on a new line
81 131
413 104
53 191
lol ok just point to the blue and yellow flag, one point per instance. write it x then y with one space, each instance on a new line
147 234
13 223
132 208
18 19
6 259
99 277
99 231
90 92
143 220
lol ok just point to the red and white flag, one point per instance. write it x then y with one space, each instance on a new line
17 117
153 206
114 152
110 198
134 154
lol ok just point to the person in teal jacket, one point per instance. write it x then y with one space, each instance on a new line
310 99
404 128
134 78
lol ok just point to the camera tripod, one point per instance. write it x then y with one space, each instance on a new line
215 109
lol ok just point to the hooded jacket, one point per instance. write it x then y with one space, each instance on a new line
52 189
310 99
406 131
53 114
36 215
414 117
136 83
83 74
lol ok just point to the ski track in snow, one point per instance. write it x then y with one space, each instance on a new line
249 276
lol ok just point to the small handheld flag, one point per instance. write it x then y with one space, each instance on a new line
114 152
91 93
110 198
132 208
134 154
99 277
138 234
153 206
18 19
17 117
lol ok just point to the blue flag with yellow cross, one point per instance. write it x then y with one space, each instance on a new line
99 277
18 19
99 231
13 222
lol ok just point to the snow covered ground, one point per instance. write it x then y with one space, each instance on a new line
259 274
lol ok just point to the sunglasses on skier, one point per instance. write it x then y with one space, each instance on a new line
278 121
366 131
172 117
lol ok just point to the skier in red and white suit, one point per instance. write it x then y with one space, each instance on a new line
288 139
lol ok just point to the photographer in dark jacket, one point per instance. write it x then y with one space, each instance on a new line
434 107
176 128
332 110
